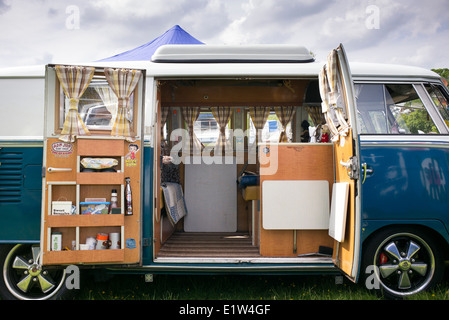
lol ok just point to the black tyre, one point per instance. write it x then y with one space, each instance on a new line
405 262
23 278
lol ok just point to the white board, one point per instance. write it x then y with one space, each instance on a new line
295 205
339 206
211 196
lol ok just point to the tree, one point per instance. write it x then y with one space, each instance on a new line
444 72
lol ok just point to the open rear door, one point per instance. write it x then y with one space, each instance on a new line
92 148
337 93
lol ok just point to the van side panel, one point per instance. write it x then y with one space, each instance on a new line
147 213
406 180
20 192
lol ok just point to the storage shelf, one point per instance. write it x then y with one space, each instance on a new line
104 178
84 256
100 148
80 220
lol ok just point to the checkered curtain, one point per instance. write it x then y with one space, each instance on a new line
316 115
190 115
222 116
259 116
331 97
285 116
123 82
74 81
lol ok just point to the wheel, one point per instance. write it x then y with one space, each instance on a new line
23 278
405 262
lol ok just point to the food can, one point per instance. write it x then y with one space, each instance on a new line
56 241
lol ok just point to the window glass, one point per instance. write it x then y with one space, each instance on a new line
270 132
440 100
206 129
391 109
97 106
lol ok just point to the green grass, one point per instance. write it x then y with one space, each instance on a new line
233 287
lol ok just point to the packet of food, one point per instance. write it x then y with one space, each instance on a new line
98 163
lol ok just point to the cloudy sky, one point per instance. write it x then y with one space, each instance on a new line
412 32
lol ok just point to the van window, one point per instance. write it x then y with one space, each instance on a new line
97 106
391 109
271 130
439 98
206 129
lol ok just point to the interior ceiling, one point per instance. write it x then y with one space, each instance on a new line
232 92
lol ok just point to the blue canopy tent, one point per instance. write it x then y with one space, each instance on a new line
175 35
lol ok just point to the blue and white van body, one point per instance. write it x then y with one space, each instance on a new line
384 141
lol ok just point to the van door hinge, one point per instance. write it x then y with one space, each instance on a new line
352 167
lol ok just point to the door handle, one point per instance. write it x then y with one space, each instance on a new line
51 169
367 171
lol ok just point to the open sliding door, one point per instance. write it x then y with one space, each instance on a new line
92 148
337 94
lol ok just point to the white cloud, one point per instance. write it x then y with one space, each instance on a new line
412 31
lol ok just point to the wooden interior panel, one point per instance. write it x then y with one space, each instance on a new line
233 93
344 253
296 161
100 147
56 157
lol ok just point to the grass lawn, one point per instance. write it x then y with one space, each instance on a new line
234 287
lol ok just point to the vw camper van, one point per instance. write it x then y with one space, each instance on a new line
218 159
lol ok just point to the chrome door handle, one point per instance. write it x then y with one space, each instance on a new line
51 169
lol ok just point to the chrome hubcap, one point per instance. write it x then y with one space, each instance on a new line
26 278
406 264
33 274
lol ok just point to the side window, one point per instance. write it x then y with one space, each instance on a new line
97 107
439 98
391 109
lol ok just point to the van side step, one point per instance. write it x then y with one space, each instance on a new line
210 244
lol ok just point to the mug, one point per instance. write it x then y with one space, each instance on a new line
114 240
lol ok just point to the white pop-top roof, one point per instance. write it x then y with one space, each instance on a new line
228 53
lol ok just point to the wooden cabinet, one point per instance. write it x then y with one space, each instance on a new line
77 228
294 162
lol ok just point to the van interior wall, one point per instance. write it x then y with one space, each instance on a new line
239 94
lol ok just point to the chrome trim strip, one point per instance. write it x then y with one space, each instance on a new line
24 144
250 260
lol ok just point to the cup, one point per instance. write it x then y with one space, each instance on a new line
102 241
114 240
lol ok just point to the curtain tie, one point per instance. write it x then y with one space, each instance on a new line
123 102
74 104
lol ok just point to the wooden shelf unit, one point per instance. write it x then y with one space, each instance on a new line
78 227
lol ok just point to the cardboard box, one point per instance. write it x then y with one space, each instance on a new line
61 207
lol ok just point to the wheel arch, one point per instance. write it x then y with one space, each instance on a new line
434 229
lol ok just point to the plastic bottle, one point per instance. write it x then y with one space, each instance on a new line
113 200
128 198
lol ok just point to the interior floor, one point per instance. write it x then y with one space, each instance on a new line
208 244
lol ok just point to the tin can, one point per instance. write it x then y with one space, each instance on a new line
56 241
